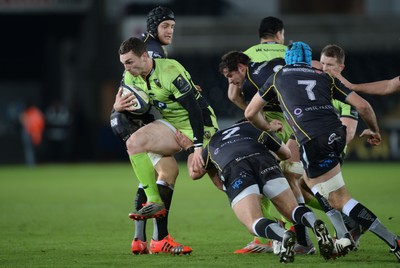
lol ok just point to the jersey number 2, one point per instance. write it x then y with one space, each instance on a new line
229 132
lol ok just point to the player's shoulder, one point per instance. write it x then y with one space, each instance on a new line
265 51
170 65
154 47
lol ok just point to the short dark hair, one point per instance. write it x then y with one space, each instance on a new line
269 26
137 46
334 51
231 60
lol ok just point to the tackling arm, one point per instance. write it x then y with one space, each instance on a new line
351 127
368 115
383 87
254 113
235 96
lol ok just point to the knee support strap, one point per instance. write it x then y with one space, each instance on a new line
325 188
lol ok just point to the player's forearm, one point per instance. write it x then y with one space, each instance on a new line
195 118
383 87
394 85
253 113
259 121
368 115
375 88
239 102
235 96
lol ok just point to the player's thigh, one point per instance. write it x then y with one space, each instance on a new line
167 169
294 149
248 209
285 203
156 138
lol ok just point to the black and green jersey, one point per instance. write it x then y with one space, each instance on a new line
305 95
172 92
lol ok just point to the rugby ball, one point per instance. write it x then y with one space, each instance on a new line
141 104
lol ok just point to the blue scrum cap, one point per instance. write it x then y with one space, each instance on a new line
298 52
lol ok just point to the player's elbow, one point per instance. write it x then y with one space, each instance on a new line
364 107
249 114
232 97
195 175
285 154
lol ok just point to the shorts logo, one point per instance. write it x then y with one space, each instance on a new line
114 122
326 163
268 169
332 138
236 184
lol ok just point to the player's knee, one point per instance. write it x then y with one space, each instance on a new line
329 190
168 176
136 143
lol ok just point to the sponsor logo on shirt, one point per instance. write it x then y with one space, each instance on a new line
181 84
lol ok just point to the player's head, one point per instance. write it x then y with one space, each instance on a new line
161 24
233 66
332 58
298 53
133 55
271 28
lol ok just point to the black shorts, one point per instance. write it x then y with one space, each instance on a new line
323 153
124 124
256 170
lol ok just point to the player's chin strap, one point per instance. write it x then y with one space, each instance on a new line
292 167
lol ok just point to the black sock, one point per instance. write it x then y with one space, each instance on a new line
140 226
334 215
269 229
366 218
362 215
140 198
303 216
323 202
162 223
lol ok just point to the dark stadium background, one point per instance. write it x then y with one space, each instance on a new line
68 51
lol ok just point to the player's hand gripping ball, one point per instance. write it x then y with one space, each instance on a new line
141 104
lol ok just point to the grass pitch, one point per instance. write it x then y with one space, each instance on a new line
77 216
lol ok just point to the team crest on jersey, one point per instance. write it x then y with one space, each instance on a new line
157 82
181 84
207 134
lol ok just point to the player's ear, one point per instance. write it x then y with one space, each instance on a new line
241 67
145 54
